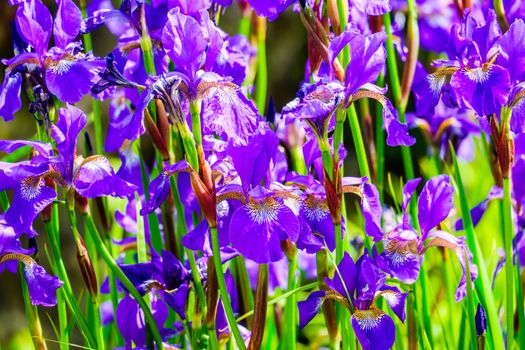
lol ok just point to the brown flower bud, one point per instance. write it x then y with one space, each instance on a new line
334 194
155 135
48 211
86 267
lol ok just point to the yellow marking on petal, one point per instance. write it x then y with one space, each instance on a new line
368 319
27 260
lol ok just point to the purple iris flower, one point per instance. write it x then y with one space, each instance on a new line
59 66
27 180
483 67
358 286
42 286
90 177
404 247
316 103
258 227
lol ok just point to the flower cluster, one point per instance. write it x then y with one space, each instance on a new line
223 204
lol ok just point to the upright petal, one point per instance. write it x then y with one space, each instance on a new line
67 23
368 57
71 121
512 54
34 23
408 191
344 281
435 203
184 42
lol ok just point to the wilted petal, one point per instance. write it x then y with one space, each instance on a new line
374 329
397 133
310 307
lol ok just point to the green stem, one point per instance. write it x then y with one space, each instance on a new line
225 296
471 313
500 13
290 319
508 234
33 320
262 68
357 137
380 145
482 283
113 266
54 239
62 321
396 90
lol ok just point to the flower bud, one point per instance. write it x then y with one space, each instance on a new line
259 314
155 135
86 267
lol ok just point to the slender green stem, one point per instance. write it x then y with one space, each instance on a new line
297 160
113 266
225 296
500 13
380 145
396 90
357 137
280 298
290 319
95 104
482 283
33 320
72 302
521 310
262 66
508 234
62 321
471 313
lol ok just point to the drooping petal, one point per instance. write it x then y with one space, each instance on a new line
10 102
256 229
42 286
270 8
372 211
34 23
484 90
310 307
96 178
30 198
400 257
67 23
396 300
374 329
63 68
397 133
435 203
